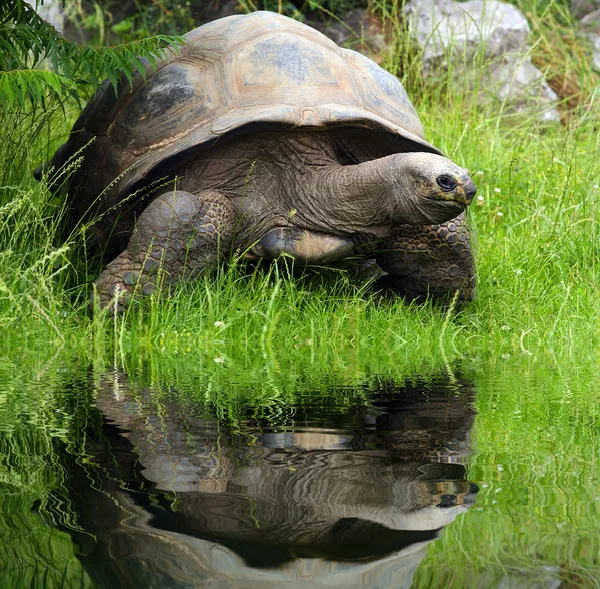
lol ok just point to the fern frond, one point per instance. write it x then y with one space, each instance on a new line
17 87
26 40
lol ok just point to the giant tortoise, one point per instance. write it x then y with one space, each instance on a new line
263 136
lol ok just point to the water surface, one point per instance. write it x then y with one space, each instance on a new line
448 479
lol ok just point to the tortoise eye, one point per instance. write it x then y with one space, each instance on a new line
446 183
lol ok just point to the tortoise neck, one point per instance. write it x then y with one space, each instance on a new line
356 198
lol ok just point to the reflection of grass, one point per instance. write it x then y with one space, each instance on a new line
535 445
33 418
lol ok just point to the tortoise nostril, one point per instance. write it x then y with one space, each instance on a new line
470 191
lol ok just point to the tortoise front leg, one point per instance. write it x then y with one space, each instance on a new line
435 260
176 236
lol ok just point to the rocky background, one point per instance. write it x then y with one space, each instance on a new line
525 55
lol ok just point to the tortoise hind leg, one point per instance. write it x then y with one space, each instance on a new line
179 233
435 261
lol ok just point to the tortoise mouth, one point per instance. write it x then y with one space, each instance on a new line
444 209
457 206
463 196
467 192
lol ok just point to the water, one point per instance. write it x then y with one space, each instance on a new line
460 478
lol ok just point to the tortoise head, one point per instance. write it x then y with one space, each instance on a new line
431 187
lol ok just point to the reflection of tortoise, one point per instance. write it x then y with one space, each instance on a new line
274 140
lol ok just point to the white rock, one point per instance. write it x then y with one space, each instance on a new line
491 39
595 41
443 28
581 8
591 27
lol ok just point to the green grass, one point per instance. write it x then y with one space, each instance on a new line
531 338
536 237
537 261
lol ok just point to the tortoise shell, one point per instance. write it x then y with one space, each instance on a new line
233 73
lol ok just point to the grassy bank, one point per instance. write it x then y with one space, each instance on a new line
537 260
536 237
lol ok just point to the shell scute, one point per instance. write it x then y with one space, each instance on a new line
284 60
169 104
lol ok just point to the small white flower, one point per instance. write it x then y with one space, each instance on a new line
219 359
480 198
219 324
518 271
505 328
500 468
505 356
595 187
499 214
309 342
497 190
479 173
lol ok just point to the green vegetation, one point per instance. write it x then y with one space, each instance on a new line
531 339
26 41
537 244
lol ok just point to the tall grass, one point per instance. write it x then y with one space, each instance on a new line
536 232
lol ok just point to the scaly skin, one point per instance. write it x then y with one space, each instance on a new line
434 260
176 236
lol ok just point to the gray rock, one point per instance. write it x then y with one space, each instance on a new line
358 30
590 25
594 40
591 22
580 8
491 39
544 577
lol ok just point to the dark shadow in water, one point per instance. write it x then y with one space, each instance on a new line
172 497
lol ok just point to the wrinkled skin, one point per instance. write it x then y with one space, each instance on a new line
317 196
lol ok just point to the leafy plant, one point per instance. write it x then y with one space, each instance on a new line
27 42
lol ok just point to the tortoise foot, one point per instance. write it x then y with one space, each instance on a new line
178 235
433 261
122 280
